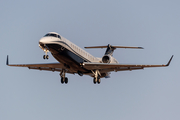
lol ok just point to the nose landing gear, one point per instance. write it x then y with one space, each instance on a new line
46 56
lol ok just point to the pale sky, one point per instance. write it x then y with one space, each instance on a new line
149 94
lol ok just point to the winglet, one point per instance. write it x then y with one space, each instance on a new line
7 61
169 61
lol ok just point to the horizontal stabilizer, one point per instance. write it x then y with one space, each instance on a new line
114 47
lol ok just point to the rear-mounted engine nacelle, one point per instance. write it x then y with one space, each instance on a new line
109 59
106 59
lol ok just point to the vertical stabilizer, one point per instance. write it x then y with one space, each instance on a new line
109 51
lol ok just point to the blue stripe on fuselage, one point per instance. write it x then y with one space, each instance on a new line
68 53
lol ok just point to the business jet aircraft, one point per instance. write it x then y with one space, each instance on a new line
72 59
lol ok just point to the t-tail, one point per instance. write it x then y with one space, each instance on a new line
107 58
110 48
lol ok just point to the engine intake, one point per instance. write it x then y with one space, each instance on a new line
106 59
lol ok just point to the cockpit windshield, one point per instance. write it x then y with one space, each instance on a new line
52 35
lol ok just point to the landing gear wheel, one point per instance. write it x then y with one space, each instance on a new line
62 80
47 56
44 56
66 80
95 80
99 81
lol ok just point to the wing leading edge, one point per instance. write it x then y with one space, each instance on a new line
48 67
118 67
103 67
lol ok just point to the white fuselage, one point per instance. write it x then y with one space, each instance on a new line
66 44
68 53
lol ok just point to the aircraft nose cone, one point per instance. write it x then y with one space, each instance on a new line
43 40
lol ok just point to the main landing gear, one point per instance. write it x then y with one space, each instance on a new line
45 56
63 78
97 80
97 75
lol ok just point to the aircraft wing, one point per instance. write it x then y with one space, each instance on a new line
107 67
48 67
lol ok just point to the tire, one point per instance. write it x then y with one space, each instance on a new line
99 81
44 56
66 80
62 80
95 80
47 56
